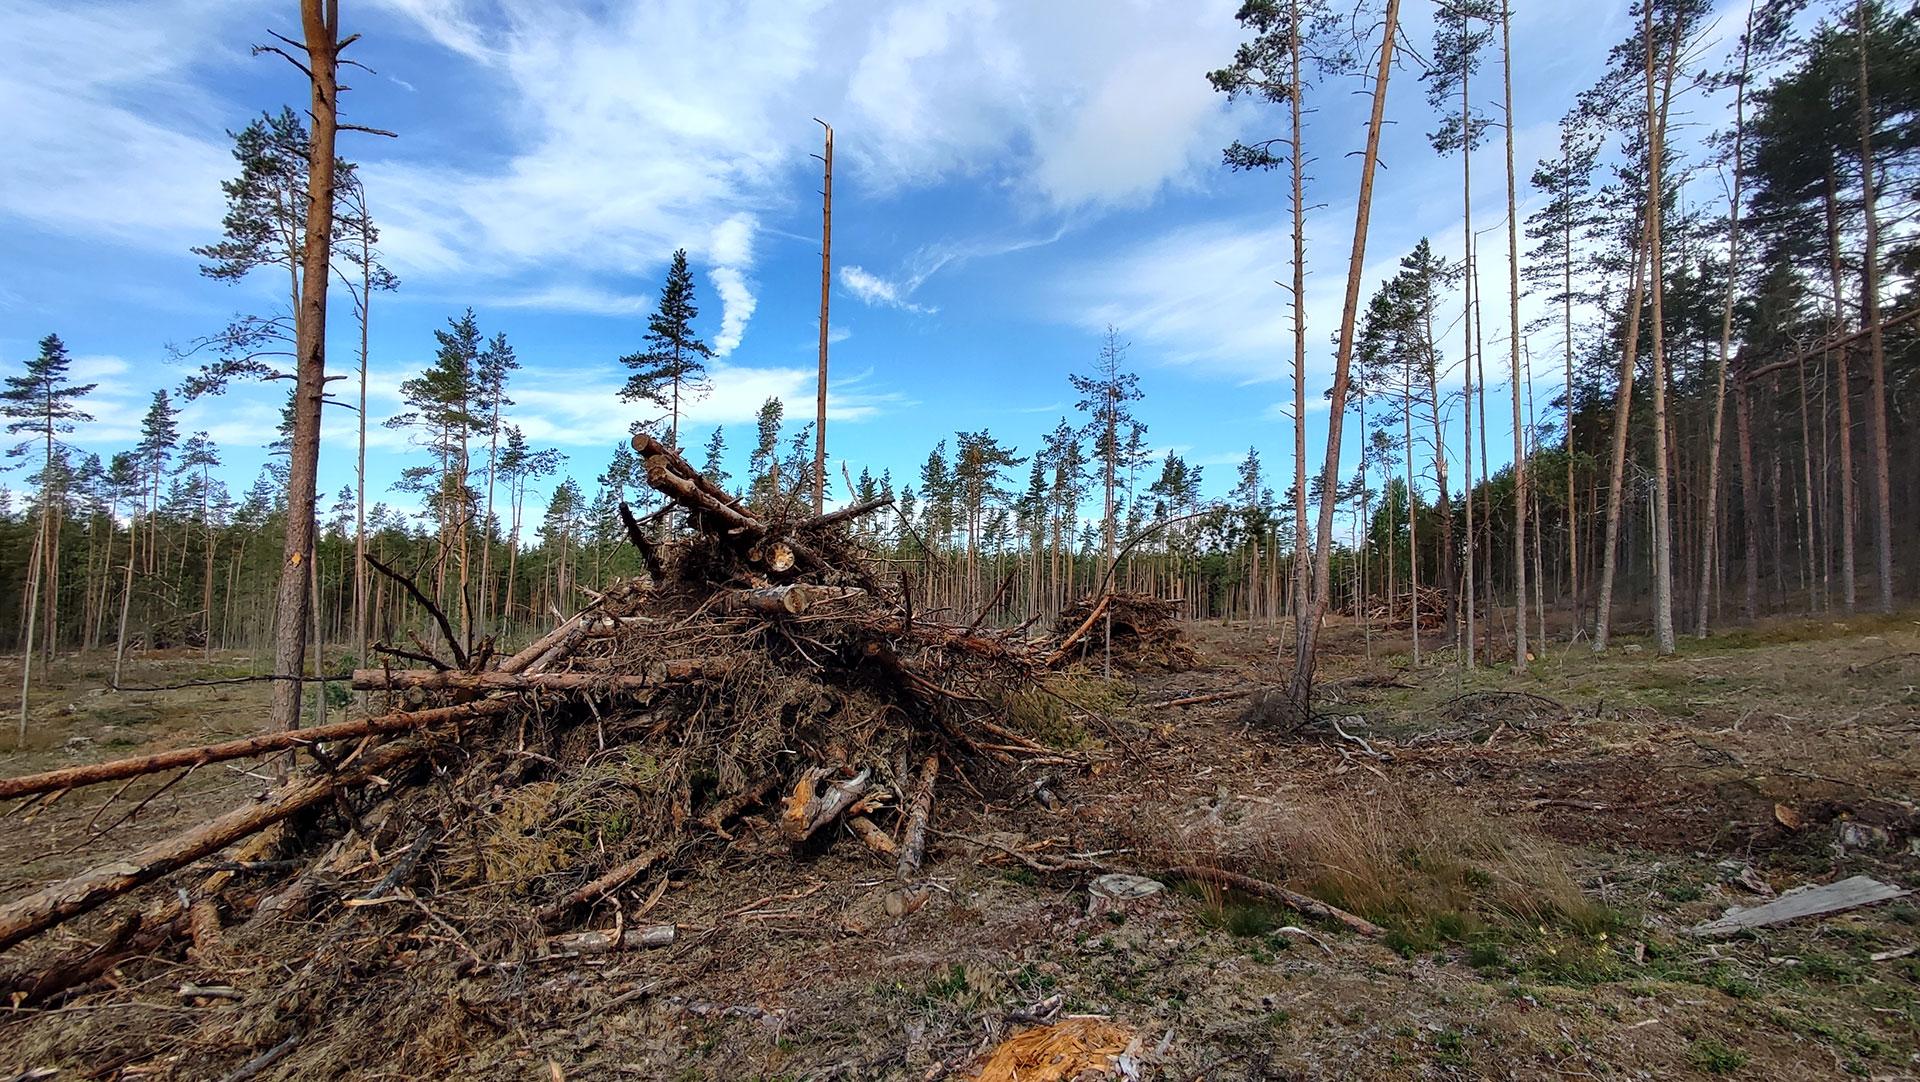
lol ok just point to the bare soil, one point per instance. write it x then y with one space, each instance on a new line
1623 794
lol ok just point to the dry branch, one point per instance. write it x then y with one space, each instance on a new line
913 845
61 901
1260 888
245 747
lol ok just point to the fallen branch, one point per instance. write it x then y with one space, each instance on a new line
245 747
657 673
413 589
1200 700
62 901
613 880
913 844
1260 888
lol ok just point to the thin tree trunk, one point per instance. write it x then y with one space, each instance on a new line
1662 507
1300 691
1876 345
1513 359
1707 553
1622 415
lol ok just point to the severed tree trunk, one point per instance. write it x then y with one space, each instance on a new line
1300 691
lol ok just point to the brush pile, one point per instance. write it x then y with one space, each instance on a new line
1146 632
760 692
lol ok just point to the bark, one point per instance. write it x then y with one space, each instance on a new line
1750 502
1876 344
62 901
1656 275
1301 581
652 675
320 23
826 281
913 844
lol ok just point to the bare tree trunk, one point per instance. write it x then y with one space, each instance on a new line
826 280
1849 594
1622 415
33 616
1302 586
1470 284
1662 506
1513 358
1707 553
1300 691
1413 528
1750 501
1876 345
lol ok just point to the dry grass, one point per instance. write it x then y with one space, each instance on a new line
1431 868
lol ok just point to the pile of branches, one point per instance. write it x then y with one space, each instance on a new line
1143 632
501 809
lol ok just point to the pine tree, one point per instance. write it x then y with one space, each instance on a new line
44 402
672 368
763 467
1104 397
714 464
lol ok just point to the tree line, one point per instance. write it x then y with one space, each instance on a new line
1765 271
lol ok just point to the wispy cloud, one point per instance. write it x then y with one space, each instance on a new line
872 289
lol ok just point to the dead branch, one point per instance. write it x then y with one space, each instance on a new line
62 901
1260 888
413 590
246 747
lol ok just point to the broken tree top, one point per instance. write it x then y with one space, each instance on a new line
759 674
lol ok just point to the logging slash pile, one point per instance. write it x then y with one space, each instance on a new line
762 691
1145 631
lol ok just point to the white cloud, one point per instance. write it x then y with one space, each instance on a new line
577 298
870 288
731 247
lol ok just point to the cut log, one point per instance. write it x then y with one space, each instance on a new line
603 942
567 634
1808 901
789 600
655 674
613 880
246 747
1260 888
776 556
913 844
58 902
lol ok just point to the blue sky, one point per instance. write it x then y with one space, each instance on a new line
1012 177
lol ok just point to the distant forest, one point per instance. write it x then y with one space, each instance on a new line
1734 319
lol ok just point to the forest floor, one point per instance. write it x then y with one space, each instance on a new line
1537 847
